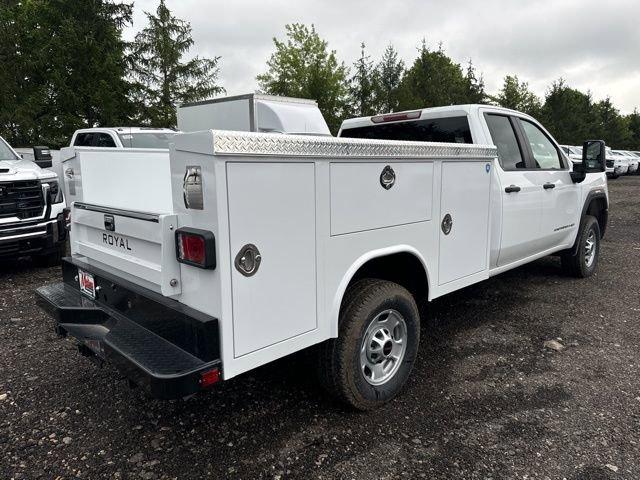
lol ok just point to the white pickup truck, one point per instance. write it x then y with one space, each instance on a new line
32 219
278 243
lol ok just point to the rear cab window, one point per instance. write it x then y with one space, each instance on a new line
84 139
146 139
449 130
104 140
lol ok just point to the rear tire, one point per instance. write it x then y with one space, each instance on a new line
51 259
379 332
584 262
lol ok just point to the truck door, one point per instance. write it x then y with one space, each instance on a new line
521 198
560 196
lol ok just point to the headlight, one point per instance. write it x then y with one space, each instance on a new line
55 192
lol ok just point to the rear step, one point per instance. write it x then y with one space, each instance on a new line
153 362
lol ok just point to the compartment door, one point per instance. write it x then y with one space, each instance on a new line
465 200
272 214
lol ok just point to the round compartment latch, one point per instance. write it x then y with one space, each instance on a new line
447 224
387 177
248 260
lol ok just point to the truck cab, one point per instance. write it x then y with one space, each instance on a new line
32 205
538 199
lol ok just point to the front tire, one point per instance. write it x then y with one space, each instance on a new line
584 262
379 332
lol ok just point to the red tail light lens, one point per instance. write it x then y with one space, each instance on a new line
196 247
209 377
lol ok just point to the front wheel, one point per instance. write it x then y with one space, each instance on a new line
379 332
583 263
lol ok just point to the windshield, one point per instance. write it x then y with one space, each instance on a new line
146 139
5 151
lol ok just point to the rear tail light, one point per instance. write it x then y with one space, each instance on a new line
196 247
396 117
209 377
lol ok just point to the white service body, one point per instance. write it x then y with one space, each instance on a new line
319 211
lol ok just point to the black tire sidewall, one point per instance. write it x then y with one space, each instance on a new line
377 394
590 224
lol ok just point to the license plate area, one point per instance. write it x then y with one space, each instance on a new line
87 283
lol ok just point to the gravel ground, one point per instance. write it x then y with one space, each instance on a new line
486 399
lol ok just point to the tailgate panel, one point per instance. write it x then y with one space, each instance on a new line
140 244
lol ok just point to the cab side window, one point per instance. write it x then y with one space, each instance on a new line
504 138
83 140
545 154
105 140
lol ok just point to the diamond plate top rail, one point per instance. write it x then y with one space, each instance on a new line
251 143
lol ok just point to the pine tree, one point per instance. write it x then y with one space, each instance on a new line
475 85
517 96
361 86
63 68
433 80
162 78
386 81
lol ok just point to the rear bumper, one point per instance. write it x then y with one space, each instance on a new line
32 238
161 345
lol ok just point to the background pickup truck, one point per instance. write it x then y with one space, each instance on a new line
32 221
277 243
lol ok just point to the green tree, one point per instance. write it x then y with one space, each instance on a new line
633 125
386 80
474 85
303 66
569 114
517 96
435 80
63 68
162 78
361 86
609 125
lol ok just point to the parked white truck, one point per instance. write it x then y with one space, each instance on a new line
278 243
32 220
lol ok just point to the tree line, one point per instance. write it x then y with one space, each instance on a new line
65 65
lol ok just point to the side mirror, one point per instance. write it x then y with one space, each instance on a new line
42 157
594 156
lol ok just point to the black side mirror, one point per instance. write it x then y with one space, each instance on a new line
42 157
594 156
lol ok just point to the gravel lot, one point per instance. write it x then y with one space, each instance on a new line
486 399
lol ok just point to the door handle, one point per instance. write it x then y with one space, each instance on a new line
547 186
512 189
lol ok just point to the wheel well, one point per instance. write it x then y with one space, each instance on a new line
598 208
402 268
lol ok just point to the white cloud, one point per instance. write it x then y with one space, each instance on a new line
592 44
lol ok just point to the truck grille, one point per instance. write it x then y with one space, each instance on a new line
22 199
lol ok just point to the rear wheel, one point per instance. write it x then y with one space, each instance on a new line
379 333
583 263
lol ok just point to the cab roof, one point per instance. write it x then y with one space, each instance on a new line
432 112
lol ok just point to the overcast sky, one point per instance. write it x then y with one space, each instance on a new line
593 44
